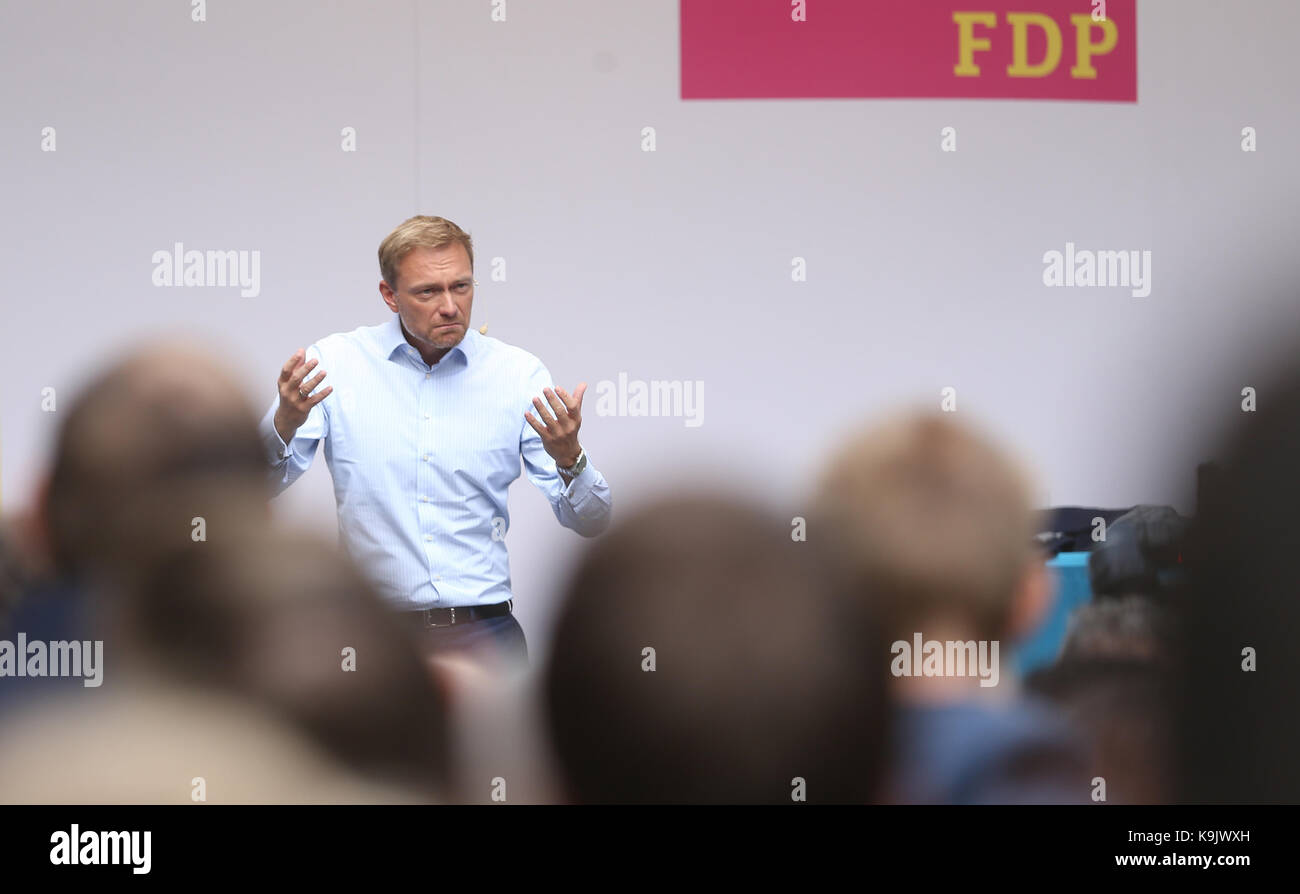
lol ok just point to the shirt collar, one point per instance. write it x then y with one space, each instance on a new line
392 339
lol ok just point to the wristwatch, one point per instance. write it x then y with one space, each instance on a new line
575 470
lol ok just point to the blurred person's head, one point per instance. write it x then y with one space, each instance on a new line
288 623
1142 552
702 656
1131 627
937 524
1121 704
1238 729
160 450
1112 680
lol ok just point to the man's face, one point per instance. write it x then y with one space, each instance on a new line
433 296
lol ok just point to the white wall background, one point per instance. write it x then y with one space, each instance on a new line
924 267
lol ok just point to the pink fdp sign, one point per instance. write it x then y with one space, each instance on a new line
939 49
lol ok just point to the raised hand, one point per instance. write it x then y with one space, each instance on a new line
296 398
559 432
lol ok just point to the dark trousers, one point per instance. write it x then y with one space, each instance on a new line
497 640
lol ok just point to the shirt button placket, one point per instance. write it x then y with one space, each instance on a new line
425 477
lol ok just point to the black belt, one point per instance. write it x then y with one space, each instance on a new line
446 617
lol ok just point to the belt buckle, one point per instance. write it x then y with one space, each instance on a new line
429 612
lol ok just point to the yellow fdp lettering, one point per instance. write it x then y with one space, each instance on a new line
1085 48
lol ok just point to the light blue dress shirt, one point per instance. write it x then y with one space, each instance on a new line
422 456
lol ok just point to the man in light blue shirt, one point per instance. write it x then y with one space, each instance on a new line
424 424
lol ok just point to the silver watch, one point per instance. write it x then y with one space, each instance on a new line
575 470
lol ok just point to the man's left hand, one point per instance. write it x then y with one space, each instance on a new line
559 432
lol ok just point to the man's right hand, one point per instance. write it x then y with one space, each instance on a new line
296 398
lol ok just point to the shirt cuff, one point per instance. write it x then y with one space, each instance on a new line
276 450
579 487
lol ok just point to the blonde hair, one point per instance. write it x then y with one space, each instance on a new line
420 231
934 519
